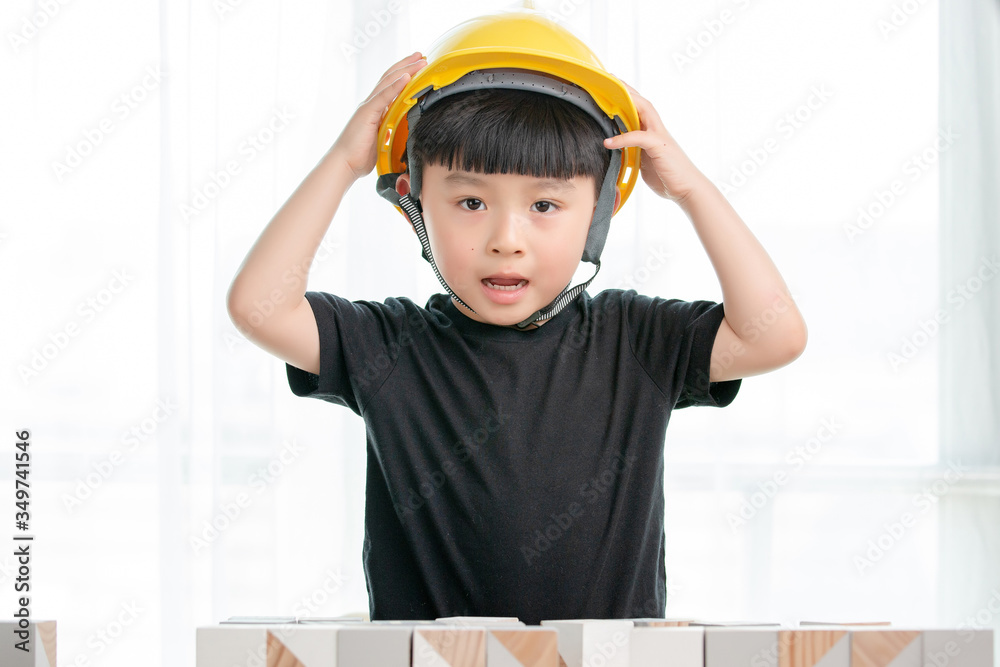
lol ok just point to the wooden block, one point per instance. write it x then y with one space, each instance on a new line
449 646
886 648
527 646
741 646
958 648
593 643
667 646
815 647
233 644
368 645
302 646
40 638
262 644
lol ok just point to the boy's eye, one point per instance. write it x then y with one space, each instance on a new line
473 204
545 206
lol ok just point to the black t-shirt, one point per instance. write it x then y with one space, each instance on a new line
515 473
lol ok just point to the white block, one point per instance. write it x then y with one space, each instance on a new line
592 642
38 638
371 645
958 648
727 646
668 646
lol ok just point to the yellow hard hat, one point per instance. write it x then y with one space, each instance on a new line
516 39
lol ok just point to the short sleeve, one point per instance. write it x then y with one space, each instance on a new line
355 349
672 340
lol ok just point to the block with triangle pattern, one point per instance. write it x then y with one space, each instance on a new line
235 644
886 647
592 642
40 649
442 645
527 646
307 646
817 646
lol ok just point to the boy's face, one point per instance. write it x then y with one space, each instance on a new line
526 233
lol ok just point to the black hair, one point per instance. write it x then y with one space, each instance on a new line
503 131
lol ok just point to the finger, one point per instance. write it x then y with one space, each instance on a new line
396 83
410 64
647 141
408 59
393 76
383 97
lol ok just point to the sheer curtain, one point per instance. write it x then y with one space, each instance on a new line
177 481
970 353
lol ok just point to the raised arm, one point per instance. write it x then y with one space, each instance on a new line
266 300
763 329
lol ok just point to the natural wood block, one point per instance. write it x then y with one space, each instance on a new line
667 646
449 646
527 646
591 642
830 647
741 646
958 648
886 648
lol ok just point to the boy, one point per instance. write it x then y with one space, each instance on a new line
515 427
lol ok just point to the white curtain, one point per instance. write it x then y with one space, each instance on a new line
176 480
970 348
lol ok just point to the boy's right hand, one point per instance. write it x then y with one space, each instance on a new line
357 145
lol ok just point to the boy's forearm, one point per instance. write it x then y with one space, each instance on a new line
276 269
752 287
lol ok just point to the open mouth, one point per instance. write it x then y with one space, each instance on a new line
505 284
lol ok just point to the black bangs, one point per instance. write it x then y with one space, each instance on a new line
502 131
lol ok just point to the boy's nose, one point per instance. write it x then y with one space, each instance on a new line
506 237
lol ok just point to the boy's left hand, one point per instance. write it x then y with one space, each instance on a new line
664 166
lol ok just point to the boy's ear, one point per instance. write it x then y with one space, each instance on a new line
403 184
402 188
